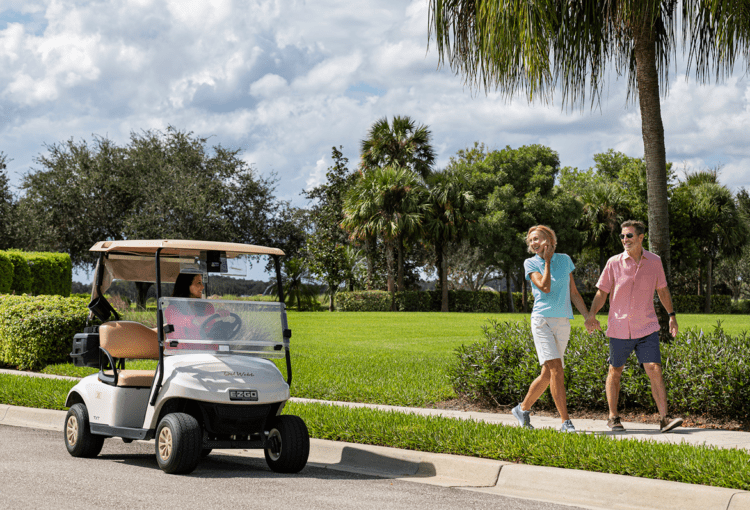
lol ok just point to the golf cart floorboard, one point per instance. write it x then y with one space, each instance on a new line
124 432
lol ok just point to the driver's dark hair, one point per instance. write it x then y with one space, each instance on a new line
182 284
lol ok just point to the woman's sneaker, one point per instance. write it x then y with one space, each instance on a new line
567 426
523 417
615 425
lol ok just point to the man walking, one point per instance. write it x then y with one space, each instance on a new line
631 278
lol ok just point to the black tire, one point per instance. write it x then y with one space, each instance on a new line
290 444
205 452
79 440
179 442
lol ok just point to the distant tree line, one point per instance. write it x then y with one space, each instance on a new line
382 225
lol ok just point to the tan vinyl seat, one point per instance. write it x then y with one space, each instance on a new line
131 340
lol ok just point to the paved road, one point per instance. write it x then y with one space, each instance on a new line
37 472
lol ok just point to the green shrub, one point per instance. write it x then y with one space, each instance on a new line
37 331
40 273
22 280
703 372
695 304
428 301
6 273
363 301
414 301
741 306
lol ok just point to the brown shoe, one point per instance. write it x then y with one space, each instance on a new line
615 425
668 423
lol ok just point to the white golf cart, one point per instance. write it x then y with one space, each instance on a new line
214 385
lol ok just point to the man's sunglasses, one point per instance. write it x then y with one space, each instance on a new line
629 235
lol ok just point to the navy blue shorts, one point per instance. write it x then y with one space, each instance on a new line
646 349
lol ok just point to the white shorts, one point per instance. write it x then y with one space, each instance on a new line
551 335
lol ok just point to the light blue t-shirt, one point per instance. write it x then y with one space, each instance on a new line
556 303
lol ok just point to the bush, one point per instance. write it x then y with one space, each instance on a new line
37 331
694 303
6 273
741 306
364 301
428 301
40 273
703 373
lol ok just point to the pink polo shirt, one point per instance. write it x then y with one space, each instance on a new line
631 289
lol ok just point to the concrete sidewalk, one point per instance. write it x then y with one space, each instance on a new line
564 486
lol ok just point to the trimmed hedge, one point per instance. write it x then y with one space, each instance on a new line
703 372
428 301
6 273
36 331
40 273
492 302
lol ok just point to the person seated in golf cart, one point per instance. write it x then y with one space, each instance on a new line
187 317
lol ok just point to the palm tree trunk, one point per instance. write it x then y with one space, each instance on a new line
709 286
442 264
389 264
525 296
370 255
400 246
654 154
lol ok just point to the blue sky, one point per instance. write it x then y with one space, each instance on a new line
286 80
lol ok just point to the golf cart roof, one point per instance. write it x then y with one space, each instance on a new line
133 260
177 247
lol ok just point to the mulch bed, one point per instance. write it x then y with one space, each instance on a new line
633 415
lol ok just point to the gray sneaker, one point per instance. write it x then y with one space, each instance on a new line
523 417
567 426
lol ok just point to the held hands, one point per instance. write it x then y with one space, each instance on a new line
592 323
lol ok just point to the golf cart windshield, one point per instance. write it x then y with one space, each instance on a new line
224 327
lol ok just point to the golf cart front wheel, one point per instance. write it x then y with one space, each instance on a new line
289 444
179 443
79 440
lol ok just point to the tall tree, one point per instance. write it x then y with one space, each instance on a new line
401 143
537 46
7 208
388 202
718 227
327 242
446 220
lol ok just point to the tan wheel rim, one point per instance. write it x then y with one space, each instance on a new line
275 433
71 430
165 444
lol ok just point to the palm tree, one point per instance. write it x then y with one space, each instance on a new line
387 202
401 144
446 220
604 209
718 225
537 46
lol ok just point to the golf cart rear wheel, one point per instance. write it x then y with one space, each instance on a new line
179 443
289 444
79 440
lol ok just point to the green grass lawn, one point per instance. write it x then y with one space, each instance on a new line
388 358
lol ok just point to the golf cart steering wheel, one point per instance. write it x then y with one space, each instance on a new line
217 327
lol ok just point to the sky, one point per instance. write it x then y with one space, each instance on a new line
286 80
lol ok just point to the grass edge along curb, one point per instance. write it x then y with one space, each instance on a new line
703 465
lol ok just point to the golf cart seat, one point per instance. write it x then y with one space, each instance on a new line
119 340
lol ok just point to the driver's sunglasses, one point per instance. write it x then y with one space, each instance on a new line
629 235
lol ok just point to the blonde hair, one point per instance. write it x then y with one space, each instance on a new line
546 231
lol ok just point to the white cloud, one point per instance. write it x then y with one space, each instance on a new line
287 80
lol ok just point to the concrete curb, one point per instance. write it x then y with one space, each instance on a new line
557 485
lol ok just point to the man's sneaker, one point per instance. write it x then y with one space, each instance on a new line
614 424
567 426
668 423
523 417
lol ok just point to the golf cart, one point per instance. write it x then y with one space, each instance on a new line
214 385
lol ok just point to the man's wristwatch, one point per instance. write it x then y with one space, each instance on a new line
672 314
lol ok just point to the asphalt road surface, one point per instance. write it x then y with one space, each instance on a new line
37 472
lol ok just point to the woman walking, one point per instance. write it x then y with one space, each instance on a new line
553 287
